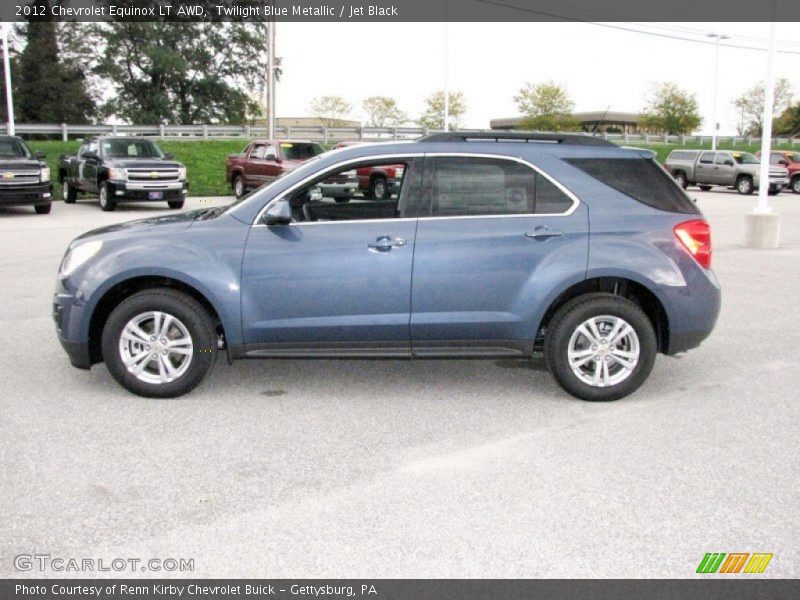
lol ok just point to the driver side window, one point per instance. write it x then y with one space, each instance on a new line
369 190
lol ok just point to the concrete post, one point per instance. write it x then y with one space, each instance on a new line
64 136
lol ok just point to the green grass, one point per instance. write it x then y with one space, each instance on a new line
205 159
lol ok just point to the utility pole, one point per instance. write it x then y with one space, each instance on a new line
271 76
7 69
715 123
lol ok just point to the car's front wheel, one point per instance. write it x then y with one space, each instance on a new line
238 186
796 185
159 343
600 347
107 203
680 179
175 204
744 185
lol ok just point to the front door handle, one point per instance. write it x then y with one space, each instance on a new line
543 233
385 243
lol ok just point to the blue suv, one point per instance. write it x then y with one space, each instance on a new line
495 244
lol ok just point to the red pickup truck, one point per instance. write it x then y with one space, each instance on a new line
790 160
378 183
263 161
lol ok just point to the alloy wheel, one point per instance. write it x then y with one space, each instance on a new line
603 351
156 347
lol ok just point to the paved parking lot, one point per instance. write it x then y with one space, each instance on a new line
401 469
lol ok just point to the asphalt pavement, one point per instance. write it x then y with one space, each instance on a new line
430 468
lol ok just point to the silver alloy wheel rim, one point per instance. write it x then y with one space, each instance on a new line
379 189
603 351
239 188
103 194
156 347
744 185
796 186
65 190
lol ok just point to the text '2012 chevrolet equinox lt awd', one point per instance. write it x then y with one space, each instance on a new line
492 245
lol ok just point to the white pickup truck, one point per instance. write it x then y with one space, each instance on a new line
728 168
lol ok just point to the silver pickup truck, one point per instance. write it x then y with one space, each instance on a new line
728 168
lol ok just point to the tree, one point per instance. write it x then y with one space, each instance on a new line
51 87
383 111
563 122
182 72
433 117
750 106
548 98
330 110
670 109
788 123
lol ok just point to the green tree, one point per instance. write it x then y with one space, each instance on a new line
182 72
670 109
330 110
51 87
788 123
550 123
750 105
433 117
383 111
540 99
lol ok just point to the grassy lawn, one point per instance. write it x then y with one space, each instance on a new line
205 159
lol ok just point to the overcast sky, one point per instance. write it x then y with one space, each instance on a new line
601 67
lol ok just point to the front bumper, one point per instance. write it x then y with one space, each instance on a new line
778 184
66 315
148 192
26 195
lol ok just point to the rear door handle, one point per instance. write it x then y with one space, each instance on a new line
385 243
543 233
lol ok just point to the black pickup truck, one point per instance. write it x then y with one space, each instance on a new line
24 177
122 169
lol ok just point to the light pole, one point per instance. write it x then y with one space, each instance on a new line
271 77
446 84
715 124
7 70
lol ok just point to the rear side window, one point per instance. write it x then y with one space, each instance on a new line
641 179
681 155
472 186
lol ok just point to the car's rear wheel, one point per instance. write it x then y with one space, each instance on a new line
744 185
705 188
238 186
176 204
379 189
600 347
680 179
68 193
159 343
107 203
43 209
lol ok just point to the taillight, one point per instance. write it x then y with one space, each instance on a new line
695 236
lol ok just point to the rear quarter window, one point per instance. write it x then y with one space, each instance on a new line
639 178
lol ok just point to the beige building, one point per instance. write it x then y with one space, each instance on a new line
600 121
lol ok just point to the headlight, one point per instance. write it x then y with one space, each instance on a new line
44 174
181 173
77 256
117 174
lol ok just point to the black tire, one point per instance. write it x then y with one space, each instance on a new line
238 186
744 185
795 185
175 204
43 209
773 191
68 193
565 323
680 179
190 313
107 203
378 188
705 188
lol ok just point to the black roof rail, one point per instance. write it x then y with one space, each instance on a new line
572 139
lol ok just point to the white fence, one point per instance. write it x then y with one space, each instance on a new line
332 134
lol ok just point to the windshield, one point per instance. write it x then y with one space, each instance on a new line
13 148
123 148
304 169
745 158
300 151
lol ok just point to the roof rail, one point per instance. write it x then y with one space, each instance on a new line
573 139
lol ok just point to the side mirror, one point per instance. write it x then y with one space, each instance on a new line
272 157
169 155
783 163
91 155
314 194
40 154
729 163
279 213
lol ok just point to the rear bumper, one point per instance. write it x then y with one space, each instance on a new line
147 192
31 195
692 311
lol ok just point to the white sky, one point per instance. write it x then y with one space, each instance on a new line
600 67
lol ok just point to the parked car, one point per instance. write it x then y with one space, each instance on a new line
122 169
24 176
789 160
706 169
379 184
263 161
485 252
